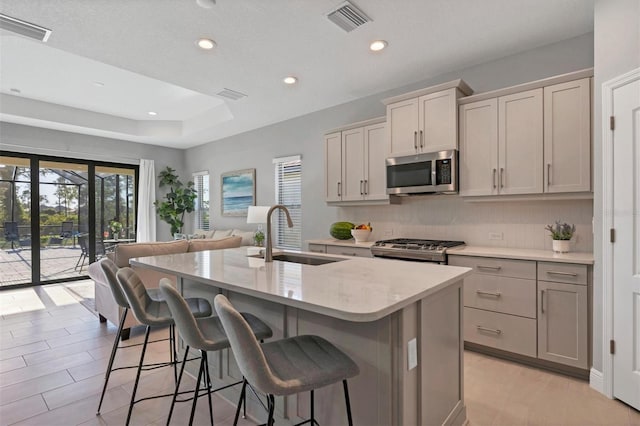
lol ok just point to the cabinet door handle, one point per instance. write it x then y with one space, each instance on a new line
502 177
489 293
548 174
316 251
490 330
415 140
421 139
493 179
349 254
361 185
366 187
492 268
566 274
339 194
542 301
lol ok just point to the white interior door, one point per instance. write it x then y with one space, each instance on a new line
626 250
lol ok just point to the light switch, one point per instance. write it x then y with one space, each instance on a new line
412 351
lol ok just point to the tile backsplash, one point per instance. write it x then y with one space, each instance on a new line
517 224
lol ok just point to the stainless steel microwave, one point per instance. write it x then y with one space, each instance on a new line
435 172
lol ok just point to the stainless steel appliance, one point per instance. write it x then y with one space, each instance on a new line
435 172
414 249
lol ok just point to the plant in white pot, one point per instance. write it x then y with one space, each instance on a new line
561 233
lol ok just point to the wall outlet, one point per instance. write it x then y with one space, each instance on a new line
388 232
495 235
412 354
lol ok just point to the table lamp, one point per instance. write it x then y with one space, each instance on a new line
258 215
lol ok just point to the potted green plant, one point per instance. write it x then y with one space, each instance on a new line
116 228
561 233
180 199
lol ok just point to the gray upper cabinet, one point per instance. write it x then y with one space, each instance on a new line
520 143
567 137
354 163
425 120
527 141
479 148
333 166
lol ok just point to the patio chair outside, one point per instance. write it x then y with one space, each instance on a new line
11 234
66 230
83 242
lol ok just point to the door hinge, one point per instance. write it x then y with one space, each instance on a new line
612 123
612 347
612 235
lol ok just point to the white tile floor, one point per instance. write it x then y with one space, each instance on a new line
53 353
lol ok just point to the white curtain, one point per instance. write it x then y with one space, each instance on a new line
146 197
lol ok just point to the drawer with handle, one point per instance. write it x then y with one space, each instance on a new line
317 248
570 273
501 331
515 296
349 251
494 266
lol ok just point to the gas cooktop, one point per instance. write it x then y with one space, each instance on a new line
414 249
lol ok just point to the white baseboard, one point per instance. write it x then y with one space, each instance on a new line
596 380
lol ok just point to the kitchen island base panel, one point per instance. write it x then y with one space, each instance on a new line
386 392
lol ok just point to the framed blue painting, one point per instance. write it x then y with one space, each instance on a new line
238 192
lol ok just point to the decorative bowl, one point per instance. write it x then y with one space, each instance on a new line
361 235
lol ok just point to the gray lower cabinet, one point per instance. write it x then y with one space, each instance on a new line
344 250
532 308
563 332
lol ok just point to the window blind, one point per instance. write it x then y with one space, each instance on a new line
288 173
201 184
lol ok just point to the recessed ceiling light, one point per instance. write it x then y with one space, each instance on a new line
14 90
152 113
206 43
378 45
98 84
290 80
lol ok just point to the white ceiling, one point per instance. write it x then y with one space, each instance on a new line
144 53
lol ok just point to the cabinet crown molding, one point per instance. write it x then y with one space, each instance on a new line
363 123
460 84
562 78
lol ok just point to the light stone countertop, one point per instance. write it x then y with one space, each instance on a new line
523 254
342 243
355 289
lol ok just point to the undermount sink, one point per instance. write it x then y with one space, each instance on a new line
304 259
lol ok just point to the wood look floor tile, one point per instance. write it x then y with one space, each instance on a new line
39 370
35 386
32 338
22 350
22 409
12 364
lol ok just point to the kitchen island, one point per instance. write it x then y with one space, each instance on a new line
401 322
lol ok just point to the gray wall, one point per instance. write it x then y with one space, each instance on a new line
616 51
304 135
36 140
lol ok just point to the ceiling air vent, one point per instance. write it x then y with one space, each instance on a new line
231 94
348 17
24 28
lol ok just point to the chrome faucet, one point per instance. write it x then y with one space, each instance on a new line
268 249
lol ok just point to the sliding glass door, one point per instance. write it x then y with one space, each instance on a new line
58 215
15 218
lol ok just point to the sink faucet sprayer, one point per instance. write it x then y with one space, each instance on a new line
268 250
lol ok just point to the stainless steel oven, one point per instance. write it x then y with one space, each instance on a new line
414 249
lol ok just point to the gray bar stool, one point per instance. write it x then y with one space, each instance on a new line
204 334
152 313
287 366
110 270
